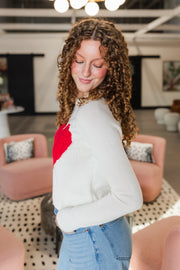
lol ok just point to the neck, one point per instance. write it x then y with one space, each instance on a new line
82 95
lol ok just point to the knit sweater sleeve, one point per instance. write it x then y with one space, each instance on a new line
100 131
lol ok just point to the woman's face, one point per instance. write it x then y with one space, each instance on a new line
89 68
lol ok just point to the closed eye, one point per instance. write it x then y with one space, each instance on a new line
96 66
79 62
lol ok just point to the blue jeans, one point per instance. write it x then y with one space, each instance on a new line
104 247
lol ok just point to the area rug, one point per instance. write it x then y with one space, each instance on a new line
23 218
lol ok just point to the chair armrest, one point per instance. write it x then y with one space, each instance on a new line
159 146
2 153
40 146
171 258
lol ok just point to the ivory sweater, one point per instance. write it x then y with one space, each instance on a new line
93 181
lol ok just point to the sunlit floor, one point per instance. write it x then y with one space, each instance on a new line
45 124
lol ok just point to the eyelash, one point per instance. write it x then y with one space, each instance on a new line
81 62
98 66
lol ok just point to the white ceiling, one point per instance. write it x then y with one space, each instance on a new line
137 19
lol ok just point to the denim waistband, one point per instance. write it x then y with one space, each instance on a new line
96 226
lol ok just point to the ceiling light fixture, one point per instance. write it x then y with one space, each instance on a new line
113 5
91 6
78 4
61 6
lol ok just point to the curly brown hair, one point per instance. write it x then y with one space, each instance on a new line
116 87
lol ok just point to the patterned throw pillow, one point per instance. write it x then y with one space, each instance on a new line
19 150
140 151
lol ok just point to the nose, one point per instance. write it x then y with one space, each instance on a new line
86 72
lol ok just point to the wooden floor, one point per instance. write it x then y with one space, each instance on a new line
45 124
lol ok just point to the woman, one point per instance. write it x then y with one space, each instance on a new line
94 186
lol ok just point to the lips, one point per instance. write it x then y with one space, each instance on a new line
85 81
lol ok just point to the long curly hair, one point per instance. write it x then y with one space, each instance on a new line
116 87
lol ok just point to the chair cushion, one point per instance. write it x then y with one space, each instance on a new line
19 150
140 151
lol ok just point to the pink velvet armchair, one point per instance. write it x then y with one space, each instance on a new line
27 178
12 251
150 175
157 246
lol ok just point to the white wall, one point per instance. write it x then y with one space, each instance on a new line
152 85
152 69
46 73
45 68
